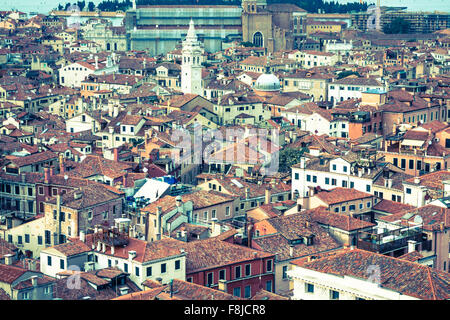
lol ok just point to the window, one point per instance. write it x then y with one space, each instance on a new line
247 291
308 177
19 239
351 207
177 265
47 289
352 184
344 184
361 206
345 168
26 295
222 274
368 187
109 263
227 211
334 167
344 208
163 268
210 279
247 270
327 180
309 288
403 163
411 164
296 176
149 271
369 204
237 292
125 267
333 182
27 238
268 265
336 209
61 263
237 272
136 271
408 190
49 260
334 295
285 268
39 240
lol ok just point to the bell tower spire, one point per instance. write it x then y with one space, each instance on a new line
191 68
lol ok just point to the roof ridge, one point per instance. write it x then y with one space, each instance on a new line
431 283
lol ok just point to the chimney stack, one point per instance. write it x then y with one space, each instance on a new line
267 196
34 281
411 246
61 163
82 236
46 175
9 259
223 285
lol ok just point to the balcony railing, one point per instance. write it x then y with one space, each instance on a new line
388 241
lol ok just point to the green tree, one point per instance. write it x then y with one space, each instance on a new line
91 6
397 26
344 74
290 156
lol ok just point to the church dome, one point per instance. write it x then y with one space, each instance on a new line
267 82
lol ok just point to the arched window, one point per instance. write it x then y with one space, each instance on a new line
258 40
108 46
115 46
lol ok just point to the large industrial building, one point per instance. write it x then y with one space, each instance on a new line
158 29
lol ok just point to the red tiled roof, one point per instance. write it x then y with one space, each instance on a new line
339 195
408 278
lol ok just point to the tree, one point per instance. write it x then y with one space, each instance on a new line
91 6
344 74
289 157
398 25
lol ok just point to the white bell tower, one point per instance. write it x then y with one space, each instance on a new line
191 68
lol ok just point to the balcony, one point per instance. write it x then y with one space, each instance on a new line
390 240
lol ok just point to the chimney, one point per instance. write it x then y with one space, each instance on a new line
179 201
411 245
115 111
267 196
247 192
116 154
302 163
99 246
61 163
46 175
131 255
34 281
291 251
113 250
223 285
103 247
9 259
158 222
124 179
82 236
416 180
77 195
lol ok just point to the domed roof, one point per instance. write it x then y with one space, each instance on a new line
267 82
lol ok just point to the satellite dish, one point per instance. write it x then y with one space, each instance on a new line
145 170
418 219
66 177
